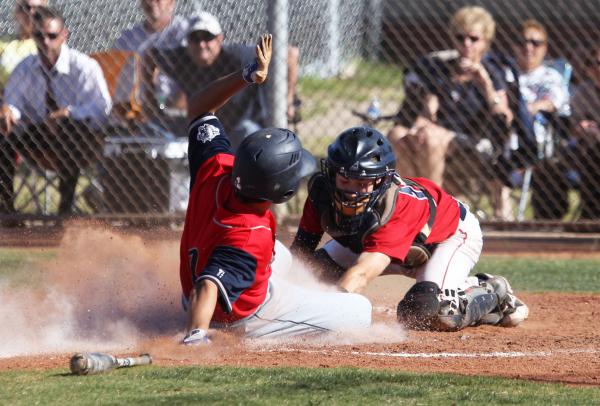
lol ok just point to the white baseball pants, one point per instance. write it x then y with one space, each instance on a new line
291 310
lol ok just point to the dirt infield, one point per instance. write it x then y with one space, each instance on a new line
553 345
559 343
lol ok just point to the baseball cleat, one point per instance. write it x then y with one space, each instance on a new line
512 311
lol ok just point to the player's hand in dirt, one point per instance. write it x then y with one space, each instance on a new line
197 336
264 50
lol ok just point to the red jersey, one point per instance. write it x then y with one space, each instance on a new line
222 240
411 213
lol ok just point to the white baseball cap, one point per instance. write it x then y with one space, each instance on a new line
204 21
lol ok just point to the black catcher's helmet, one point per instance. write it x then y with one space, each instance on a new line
269 165
358 153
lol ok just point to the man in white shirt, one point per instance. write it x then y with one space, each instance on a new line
54 103
160 29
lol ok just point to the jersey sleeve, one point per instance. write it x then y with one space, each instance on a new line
395 238
233 270
310 221
309 232
206 138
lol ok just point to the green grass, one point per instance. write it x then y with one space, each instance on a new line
34 187
21 266
367 76
369 79
533 274
541 275
298 386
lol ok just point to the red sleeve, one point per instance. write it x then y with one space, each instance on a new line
395 238
311 220
214 166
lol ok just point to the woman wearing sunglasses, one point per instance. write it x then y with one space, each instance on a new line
545 92
541 85
464 103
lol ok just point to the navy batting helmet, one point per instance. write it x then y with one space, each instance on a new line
358 153
269 165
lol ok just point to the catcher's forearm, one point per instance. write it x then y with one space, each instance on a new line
202 305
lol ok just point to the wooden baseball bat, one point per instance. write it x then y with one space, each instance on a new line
95 362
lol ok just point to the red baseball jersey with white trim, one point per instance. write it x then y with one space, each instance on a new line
222 240
410 216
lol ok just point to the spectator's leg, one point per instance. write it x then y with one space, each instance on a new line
549 191
66 188
436 141
501 200
590 184
75 154
422 154
404 148
7 175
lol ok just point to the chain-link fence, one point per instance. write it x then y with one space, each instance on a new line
512 131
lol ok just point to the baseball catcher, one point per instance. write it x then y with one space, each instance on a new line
382 223
230 260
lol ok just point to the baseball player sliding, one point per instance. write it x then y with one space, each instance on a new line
383 223
230 259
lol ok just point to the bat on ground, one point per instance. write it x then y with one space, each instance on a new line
96 362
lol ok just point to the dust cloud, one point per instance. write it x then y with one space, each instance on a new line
107 291
104 290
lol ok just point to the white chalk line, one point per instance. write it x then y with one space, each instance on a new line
494 354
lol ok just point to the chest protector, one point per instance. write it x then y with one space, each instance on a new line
321 198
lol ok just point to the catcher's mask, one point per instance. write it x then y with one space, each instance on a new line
358 153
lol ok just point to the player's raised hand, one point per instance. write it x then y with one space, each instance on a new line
264 50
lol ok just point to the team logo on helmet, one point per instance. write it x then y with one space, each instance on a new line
206 133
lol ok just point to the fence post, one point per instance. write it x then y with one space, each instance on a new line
278 26
333 42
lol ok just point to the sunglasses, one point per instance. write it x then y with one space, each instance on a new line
201 36
536 43
26 8
463 37
41 35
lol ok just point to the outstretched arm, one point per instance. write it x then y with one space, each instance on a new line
202 306
369 265
216 94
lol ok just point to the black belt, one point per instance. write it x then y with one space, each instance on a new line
463 210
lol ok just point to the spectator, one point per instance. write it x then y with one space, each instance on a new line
161 28
14 50
53 102
203 60
547 98
542 86
585 106
465 105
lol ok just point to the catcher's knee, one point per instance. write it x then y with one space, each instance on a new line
420 307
